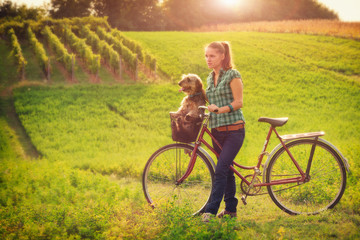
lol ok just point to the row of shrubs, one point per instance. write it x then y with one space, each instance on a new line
59 49
80 47
16 51
111 44
129 57
39 50
146 58
100 46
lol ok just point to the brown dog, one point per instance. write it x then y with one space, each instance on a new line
192 86
186 122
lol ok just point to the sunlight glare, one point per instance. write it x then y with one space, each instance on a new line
229 3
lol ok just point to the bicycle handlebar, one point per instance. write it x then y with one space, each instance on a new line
206 108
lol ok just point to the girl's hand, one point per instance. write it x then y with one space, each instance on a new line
213 108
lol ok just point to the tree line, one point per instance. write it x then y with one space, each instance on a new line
149 15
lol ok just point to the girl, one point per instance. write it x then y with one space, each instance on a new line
225 95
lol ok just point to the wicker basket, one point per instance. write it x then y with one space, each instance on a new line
184 131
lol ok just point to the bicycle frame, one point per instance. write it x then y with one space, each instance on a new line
303 174
200 140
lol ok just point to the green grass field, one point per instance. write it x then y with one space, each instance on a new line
94 139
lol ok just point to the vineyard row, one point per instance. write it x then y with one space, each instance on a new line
90 44
17 53
39 51
100 46
59 49
80 47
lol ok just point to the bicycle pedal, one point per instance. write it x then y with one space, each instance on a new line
243 199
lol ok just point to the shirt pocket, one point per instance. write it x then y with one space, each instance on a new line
224 90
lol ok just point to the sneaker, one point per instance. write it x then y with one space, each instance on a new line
224 212
206 217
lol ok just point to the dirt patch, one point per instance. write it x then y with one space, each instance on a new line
151 75
65 73
59 66
91 77
7 92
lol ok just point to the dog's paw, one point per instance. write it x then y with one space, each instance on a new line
188 118
174 115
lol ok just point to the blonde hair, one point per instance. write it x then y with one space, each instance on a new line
223 48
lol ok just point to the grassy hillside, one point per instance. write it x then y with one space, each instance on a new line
102 128
313 80
95 139
179 52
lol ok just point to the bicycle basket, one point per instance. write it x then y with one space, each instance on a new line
184 131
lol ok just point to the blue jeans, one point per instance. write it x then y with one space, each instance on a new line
224 184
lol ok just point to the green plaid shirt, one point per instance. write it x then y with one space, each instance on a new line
221 95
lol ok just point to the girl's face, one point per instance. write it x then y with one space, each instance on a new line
214 58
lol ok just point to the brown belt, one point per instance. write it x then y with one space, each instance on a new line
232 127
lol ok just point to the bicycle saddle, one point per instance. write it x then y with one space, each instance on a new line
275 122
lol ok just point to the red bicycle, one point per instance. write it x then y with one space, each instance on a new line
304 174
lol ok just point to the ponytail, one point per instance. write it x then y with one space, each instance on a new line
224 48
227 62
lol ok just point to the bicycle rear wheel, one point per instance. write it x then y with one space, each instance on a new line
327 178
166 166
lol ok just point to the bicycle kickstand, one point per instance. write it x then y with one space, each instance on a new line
243 197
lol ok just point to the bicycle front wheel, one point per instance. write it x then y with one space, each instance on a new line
166 166
326 183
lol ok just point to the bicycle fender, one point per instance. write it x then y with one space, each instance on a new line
345 161
269 157
203 151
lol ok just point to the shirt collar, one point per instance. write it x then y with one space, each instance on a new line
222 71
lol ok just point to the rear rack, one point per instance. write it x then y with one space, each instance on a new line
302 135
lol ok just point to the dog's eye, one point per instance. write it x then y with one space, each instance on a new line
188 79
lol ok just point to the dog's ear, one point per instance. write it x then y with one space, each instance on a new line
204 95
184 77
198 85
201 89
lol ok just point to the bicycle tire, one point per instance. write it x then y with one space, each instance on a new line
166 166
327 178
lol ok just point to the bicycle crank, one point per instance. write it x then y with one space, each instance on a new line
250 189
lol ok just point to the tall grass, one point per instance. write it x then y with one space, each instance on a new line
105 129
